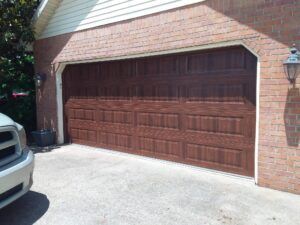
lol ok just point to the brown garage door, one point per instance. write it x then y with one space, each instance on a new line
197 108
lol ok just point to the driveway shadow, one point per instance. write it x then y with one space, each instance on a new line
26 210
36 149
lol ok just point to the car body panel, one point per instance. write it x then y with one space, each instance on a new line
15 170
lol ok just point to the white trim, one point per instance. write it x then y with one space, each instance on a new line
39 10
179 50
59 102
257 119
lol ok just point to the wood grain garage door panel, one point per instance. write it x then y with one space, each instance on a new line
196 108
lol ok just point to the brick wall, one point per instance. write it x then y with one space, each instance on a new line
268 27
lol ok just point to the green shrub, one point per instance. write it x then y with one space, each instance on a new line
16 62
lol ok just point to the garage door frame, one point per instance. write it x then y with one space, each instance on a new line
61 67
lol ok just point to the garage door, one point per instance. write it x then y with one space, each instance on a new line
196 108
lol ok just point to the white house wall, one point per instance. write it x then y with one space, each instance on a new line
75 15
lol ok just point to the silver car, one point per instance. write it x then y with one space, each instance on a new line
16 161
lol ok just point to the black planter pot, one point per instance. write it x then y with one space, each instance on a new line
44 137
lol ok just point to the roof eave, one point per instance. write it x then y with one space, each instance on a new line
43 14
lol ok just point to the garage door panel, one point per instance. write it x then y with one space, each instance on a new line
192 92
240 126
216 93
157 92
205 138
160 147
158 66
235 59
84 124
226 141
116 70
215 124
117 92
158 120
84 134
146 145
219 109
82 114
83 92
196 108
199 108
166 147
159 107
220 92
115 116
200 137
228 160
80 103
214 155
120 128
167 134
106 127
115 139
123 105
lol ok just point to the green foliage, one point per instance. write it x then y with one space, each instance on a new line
16 62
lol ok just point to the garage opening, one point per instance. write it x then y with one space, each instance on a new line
196 108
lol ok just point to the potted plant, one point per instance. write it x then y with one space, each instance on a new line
44 137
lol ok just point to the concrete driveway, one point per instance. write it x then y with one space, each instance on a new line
83 186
